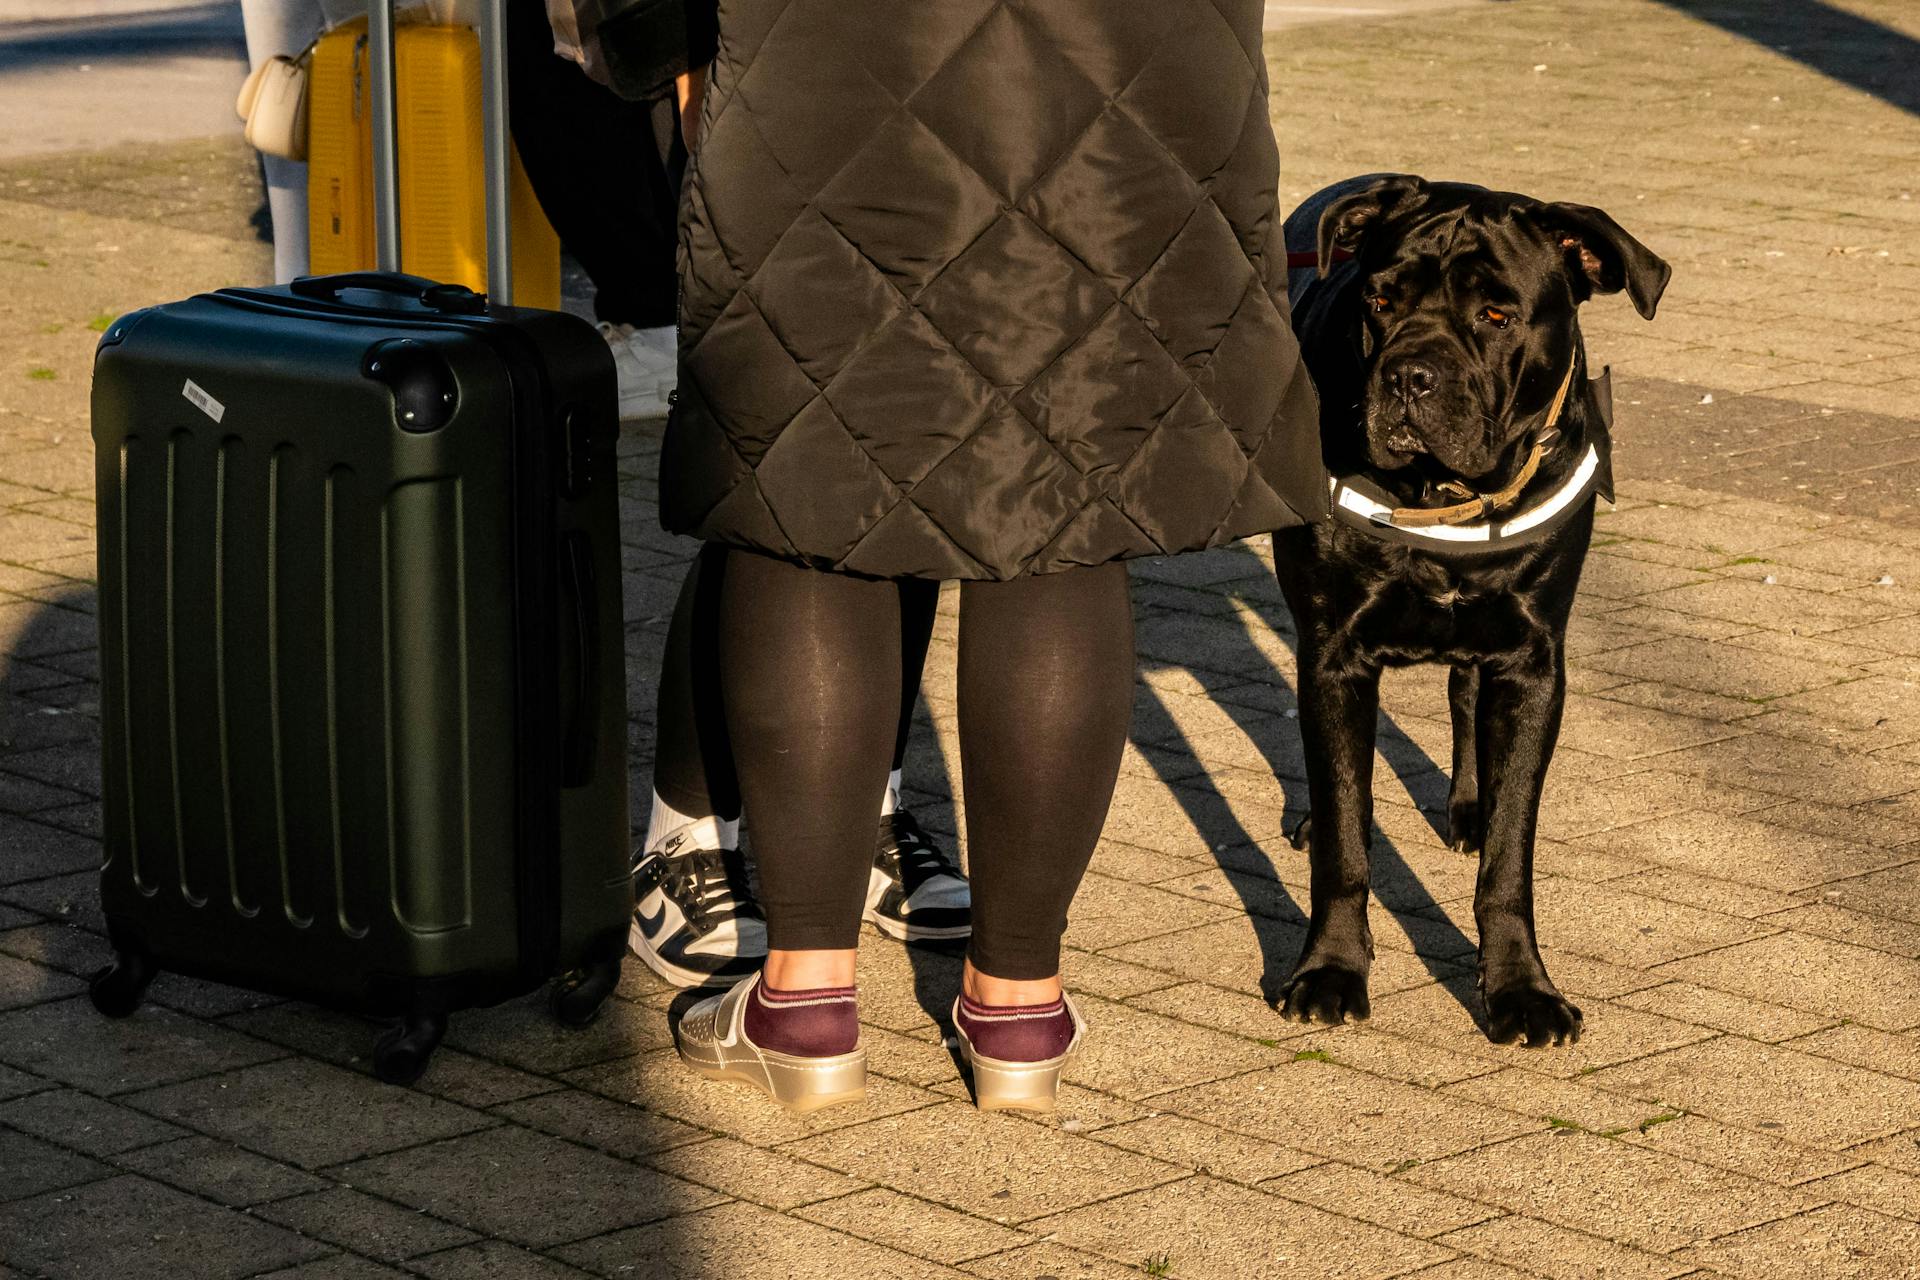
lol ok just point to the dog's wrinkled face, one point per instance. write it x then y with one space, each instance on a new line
1469 304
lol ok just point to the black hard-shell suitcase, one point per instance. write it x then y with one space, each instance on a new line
363 687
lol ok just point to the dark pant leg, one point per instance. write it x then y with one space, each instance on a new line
1046 694
693 757
918 602
596 164
810 675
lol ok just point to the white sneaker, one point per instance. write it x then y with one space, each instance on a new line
695 921
647 362
915 890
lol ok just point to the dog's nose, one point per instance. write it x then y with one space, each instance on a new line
1411 379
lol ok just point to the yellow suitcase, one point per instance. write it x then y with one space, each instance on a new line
443 224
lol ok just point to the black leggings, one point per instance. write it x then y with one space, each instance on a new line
693 767
811 673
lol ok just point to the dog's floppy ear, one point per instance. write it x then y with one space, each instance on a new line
1344 223
1600 252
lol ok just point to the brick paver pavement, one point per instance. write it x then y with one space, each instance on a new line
1730 862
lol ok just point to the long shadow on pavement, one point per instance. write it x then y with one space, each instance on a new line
49 759
1867 55
205 30
936 966
1279 921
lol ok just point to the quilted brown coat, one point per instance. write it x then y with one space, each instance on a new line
978 288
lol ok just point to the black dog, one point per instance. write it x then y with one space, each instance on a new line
1466 445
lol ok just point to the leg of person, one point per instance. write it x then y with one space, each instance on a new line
283 28
694 773
286 182
593 161
919 605
916 891
810 672
695 921
1046 695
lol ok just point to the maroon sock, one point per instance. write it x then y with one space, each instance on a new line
1017 1033
808 1024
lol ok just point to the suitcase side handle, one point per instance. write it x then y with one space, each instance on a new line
453 299
580 738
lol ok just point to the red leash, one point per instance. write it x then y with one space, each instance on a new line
1310 259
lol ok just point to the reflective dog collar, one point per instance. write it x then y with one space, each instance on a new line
1348 497
1362 504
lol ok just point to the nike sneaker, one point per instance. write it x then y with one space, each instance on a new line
695 921
916 891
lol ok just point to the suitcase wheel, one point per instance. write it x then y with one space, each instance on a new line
402 1053
116 989
579 994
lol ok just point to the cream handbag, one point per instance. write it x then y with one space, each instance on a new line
273 102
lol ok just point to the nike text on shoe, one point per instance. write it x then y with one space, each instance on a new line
713 1040
695 922
915 891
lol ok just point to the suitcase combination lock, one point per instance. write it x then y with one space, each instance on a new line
424 391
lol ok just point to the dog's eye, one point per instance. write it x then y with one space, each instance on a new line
1498 317
1379 304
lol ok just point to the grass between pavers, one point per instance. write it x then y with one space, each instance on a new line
1658 1118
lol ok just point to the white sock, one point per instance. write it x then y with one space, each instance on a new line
891 801
703 833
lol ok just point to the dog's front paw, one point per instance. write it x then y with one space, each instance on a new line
1540 1014
1463 826
1331 995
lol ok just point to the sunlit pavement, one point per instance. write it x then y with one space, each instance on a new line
1729 864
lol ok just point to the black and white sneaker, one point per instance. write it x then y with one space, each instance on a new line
695 921
916 892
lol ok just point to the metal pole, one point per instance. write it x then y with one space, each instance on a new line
386 168
493 128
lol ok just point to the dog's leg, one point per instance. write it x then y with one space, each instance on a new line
1339 701
1463 799
1518 723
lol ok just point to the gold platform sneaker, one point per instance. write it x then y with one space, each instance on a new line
1003 1085
712 1039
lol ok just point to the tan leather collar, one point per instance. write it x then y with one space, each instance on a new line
1479 506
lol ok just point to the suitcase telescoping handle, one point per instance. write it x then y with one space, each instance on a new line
493 134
